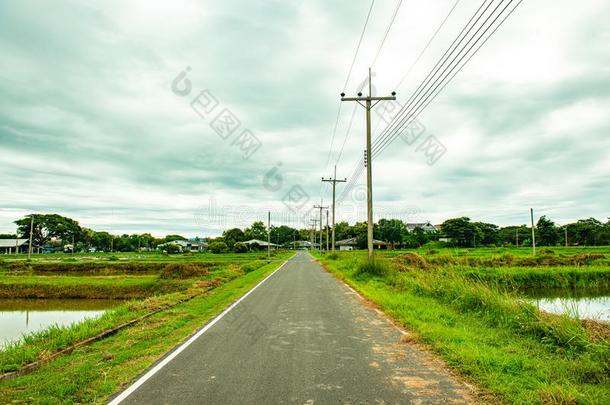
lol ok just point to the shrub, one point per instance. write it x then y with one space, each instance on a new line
218 247
378 268
412 259
240 247
172 248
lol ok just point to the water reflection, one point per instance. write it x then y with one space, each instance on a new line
597 308
22 316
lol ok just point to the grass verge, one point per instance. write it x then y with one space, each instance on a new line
91 373
506 346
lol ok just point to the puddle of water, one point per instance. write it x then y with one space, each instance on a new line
596 308
22 316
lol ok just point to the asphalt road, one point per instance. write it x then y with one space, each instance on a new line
301 337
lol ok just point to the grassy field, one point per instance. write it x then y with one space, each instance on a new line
467 310
92 372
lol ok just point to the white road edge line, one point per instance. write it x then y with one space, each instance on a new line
132 388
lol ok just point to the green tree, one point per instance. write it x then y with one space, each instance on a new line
218 247
489 233
232 236
391 230
240 247
47 226
256 231
461 231
546 232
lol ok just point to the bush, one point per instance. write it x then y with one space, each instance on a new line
172 248
378 268
218 247
240 247
412 259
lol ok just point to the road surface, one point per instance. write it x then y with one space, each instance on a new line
301 337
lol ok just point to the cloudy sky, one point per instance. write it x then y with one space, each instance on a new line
95 123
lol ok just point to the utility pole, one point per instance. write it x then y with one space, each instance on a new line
533 233
17 241
268 235
320 207
369 159
327 230
314 223
334 181
565 234
31 231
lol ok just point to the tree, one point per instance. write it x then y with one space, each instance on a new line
489 233
218 247
391 230
343 231
282 234
240 247
233 235
102 241
461 231
546 232
419 236
47 226
256 231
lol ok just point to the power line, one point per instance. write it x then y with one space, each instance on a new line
349 73
442 81
385 35
354 179
430 93
421 53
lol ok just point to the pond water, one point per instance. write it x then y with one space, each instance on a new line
22 316
596 308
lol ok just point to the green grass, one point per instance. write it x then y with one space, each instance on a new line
502 344
91 373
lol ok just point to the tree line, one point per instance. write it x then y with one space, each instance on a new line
53 230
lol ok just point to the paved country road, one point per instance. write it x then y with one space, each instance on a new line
301 337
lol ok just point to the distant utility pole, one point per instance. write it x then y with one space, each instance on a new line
533 232
369 159
565 234
17 241
268 235
31 232
314 224
334 181
320 207
327 230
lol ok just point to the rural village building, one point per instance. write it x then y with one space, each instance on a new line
351 244
8 246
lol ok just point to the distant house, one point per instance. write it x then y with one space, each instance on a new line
304 245
186 245
425 226
261 243
351 244
8 246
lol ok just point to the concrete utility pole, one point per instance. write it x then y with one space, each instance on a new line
565 234
314 224
327 230
369 159
320 207
334 181
31 231
268 235
17 241
533 233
